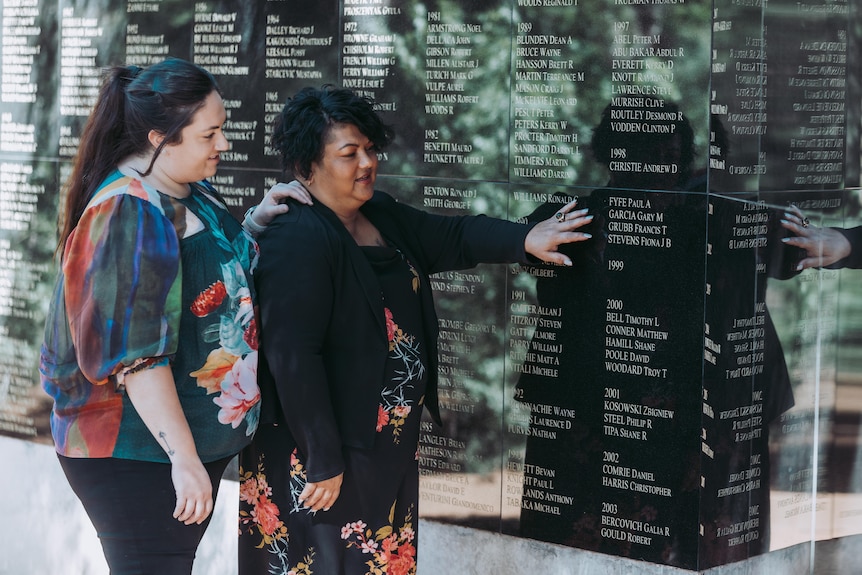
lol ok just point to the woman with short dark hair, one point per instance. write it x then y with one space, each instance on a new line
330 483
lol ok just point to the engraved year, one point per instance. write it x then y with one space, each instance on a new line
610 457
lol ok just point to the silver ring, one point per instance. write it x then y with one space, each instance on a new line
805 222
560 216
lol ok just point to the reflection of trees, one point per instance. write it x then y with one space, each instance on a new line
483 125
32 283
850 299
480 429
819 318
487 125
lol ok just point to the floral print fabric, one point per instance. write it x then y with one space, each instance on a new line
148 280
371 529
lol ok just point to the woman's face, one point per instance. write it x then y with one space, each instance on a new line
196 157
344 177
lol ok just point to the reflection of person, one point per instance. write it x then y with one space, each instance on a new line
835 248
618 276
748 390
659 158
824 247
664 284
349 346
736 280
150 349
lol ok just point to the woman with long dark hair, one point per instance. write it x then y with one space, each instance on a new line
150 349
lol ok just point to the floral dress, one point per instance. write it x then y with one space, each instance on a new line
149 280
371 529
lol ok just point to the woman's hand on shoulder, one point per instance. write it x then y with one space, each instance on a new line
274 202
547 236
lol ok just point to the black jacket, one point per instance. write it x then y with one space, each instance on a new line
323 334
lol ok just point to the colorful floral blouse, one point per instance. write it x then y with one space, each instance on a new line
147 280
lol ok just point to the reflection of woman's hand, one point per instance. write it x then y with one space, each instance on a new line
273 202
823 246
321 495
547 236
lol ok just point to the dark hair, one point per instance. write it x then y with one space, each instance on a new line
300 131
132 102
665 122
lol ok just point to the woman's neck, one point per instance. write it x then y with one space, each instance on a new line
134 168
364 233
350 215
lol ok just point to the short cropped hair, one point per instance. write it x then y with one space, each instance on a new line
300 132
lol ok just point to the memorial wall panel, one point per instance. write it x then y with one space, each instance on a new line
301 49
460 463
28 85
684 393
611 376
28 204
746 385
843 452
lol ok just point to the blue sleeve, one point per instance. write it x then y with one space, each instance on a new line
122 286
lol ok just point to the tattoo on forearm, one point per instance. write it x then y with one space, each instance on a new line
164 438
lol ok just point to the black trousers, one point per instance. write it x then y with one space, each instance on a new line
131 505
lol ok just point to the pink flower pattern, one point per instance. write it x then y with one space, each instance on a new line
231 368
388 545
392 552
258 513
239 391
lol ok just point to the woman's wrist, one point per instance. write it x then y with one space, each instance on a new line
249 224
